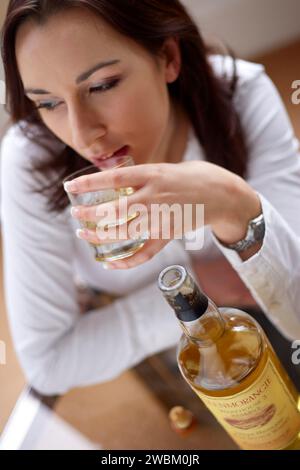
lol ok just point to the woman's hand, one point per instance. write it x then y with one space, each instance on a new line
229 202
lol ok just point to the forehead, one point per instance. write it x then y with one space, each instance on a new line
70 41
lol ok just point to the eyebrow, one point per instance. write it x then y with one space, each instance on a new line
81 78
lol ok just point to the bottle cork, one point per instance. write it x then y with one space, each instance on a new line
181 419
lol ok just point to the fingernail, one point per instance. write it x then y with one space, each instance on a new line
75 212
70 186
82 234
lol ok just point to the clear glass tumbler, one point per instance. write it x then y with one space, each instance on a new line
106 252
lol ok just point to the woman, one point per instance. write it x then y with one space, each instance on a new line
84 79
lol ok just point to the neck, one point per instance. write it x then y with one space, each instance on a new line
207 329
175 141
180 125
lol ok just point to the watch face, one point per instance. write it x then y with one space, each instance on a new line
259 230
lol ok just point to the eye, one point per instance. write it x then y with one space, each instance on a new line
105 87
52 105
48 105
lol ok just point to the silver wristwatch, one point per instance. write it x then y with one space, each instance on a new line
255 233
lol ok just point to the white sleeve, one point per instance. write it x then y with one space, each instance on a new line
58 347
272 274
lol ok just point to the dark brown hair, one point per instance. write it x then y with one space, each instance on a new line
207 99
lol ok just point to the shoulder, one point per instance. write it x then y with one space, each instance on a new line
13 144
255 97
246 71
30 141
19 152
21 146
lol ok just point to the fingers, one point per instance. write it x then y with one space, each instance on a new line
146 253
149 250
133 228
115 210
85 213
133 176
101 238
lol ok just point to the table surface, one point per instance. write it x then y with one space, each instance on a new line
130 412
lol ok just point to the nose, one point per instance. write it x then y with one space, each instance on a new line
86 127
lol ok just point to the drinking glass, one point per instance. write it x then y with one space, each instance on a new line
106 252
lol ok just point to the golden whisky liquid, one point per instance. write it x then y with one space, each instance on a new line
228 371
115 251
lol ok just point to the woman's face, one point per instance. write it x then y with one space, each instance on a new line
96 109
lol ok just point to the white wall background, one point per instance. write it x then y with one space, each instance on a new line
250 27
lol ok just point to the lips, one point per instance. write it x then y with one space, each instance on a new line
119 153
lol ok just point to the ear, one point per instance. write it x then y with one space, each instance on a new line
171 55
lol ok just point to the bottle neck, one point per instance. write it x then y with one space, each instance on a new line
199 317
206 329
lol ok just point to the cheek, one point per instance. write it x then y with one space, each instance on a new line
152 113
142 112
57 126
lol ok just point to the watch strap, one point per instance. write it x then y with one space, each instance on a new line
255 234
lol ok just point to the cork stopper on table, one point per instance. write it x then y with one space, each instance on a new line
181 419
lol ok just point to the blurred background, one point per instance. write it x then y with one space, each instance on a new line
264 31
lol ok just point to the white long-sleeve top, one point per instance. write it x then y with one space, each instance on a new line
58 347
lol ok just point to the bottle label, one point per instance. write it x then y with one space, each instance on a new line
264 416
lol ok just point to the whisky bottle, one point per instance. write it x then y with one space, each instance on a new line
226 358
